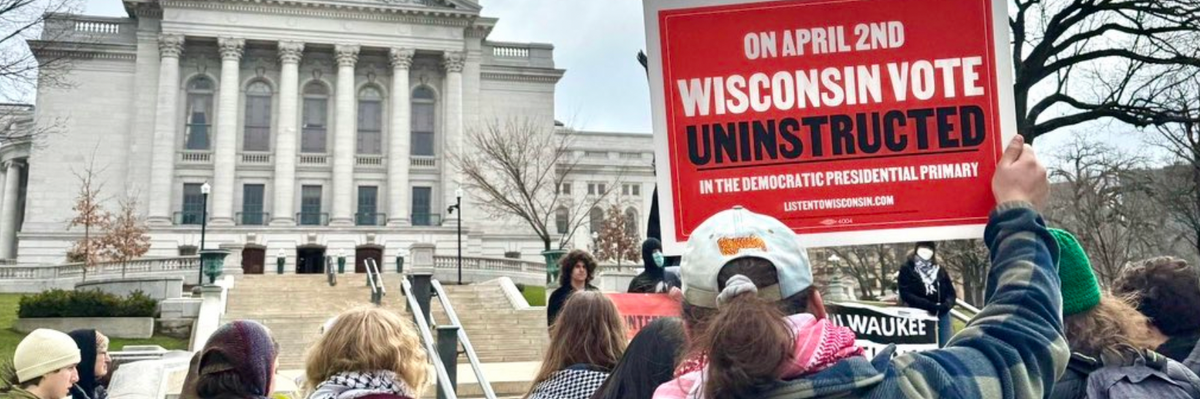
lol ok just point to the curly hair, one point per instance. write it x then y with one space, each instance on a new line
1114 329
368 339
567 265
1168 291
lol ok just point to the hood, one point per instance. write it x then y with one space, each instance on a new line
86 340
648 248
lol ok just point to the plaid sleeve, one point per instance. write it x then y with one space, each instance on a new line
1015 347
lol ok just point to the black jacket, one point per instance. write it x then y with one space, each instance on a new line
651 280
1179 347
558 298
912 290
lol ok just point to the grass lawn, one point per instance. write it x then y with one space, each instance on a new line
535 295
9 338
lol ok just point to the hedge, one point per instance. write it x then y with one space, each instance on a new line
88 303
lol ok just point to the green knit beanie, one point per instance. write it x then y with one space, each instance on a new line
1079 288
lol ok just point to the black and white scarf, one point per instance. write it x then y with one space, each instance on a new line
352 384
569 384
929 274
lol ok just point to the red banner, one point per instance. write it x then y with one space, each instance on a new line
639 310
852 121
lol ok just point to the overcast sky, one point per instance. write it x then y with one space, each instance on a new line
605 88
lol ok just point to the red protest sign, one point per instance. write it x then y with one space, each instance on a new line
852 121
639 310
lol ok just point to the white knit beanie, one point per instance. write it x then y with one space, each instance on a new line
42 352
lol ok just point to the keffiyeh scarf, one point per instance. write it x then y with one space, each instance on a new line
352 384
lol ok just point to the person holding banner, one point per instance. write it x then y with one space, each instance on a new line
925 285
760 329
578 270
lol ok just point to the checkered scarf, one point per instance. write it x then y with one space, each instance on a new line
352 384
929 274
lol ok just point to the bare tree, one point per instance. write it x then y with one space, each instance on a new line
871 266
127 237
615 241
1103 198
518 166
1100 59
1177 187
34 54
90 214
968 262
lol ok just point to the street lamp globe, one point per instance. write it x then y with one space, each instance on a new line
205 188
834 258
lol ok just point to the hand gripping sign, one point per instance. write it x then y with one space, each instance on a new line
852 121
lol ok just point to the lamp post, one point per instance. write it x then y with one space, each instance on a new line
204 189
457 207
280 260
595 242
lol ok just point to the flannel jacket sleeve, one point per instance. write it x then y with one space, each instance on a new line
1015 347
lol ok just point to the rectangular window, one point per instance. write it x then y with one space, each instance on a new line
367 205
422 129
258 124
422 203
601 189
199 121
310 206
637 190
193 204
370 127
252 205
312 139
595 154
564 188
591 188
625 189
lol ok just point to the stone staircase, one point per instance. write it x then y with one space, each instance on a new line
295 306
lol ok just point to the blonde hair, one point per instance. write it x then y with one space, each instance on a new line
1113 330
589 330
368 339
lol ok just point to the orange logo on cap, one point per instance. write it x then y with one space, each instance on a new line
731 246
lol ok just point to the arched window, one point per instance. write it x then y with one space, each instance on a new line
370 121
562 219
316 118
596 219
422 121
631 222
199 113
257 134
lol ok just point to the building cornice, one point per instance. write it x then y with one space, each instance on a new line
521 74
360 11
47 50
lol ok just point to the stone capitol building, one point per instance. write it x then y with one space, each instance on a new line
307 127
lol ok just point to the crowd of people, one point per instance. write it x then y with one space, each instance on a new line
753 325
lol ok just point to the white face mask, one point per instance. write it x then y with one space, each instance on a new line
925 253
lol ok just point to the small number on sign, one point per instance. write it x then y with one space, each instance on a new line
832 222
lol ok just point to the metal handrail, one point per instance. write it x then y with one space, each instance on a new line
963 304
375 281
427 336
466 343
329 273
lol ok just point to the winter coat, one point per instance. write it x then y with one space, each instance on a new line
1149 376
652 279
1014 349
17 393
576 382
558 298
912 290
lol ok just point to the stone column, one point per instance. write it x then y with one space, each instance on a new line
225 145
8 212
162 161
453 62
343 141
285 137
399 137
